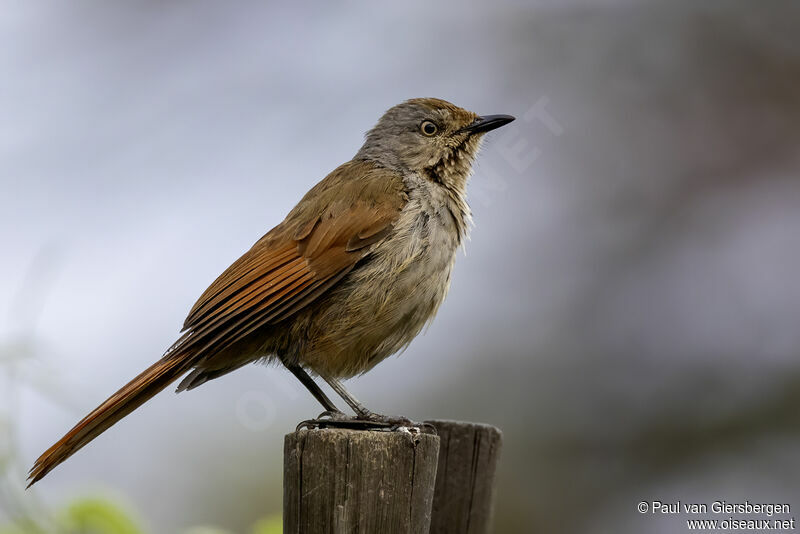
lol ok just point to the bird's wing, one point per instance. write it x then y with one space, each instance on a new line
318 243
297 261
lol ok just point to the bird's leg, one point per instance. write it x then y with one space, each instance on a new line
308 382
333 417
362 411
367 419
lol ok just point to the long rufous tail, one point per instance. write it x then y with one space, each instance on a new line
131 396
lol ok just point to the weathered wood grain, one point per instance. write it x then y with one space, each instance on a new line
468 455
355 481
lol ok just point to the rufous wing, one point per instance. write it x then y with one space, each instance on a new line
320 241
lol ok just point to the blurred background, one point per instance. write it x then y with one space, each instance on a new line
627 310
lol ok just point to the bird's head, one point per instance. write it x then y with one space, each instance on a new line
430 137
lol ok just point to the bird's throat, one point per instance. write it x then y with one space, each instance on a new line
453 169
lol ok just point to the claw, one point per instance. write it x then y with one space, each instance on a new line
332 416
374 422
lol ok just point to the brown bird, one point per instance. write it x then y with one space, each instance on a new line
350 277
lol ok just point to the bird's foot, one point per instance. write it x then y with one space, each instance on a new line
367 421
394 423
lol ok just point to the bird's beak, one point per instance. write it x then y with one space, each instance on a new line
487 123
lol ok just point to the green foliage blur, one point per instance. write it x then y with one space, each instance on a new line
21 510
102 516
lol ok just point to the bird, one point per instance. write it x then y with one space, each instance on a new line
352 274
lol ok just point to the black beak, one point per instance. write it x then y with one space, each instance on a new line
487 123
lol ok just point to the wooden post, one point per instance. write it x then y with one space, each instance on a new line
468 457
348 481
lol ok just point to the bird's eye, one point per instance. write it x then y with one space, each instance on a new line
428 128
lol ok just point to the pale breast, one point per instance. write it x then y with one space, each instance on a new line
385 302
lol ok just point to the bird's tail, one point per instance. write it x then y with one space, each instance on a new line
131 396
